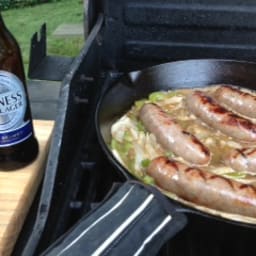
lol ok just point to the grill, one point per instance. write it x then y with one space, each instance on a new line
127 35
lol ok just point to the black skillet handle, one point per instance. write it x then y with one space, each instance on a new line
135 220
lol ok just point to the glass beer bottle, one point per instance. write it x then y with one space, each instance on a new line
18 145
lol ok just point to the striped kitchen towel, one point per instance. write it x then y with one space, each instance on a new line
135 220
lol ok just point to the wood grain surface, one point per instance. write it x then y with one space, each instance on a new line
18 188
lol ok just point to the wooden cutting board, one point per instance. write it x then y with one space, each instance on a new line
18 188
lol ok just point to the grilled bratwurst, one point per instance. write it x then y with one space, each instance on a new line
216 116
203 188
243 160
171 136
242 102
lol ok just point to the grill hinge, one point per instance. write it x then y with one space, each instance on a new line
43 66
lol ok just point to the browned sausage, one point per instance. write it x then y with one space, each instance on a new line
203 188
242 102
242 160
170 135
216 116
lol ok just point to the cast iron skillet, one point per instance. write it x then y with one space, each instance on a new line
181 74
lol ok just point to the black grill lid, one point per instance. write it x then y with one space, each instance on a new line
156 31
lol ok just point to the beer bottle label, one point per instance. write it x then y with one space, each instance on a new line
13 128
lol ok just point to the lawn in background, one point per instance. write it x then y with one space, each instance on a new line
23 23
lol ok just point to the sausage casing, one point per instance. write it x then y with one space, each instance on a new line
242 160
240 101
171 136
203 188
217 117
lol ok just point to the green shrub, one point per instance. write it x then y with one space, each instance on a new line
9 4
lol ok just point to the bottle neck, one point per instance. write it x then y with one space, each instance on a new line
2 24
1 20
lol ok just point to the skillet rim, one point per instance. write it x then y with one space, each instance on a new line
179 206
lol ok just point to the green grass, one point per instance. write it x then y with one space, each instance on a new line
23 23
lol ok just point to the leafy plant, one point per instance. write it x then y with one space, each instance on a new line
9 4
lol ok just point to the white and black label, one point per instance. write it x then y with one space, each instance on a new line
13 105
